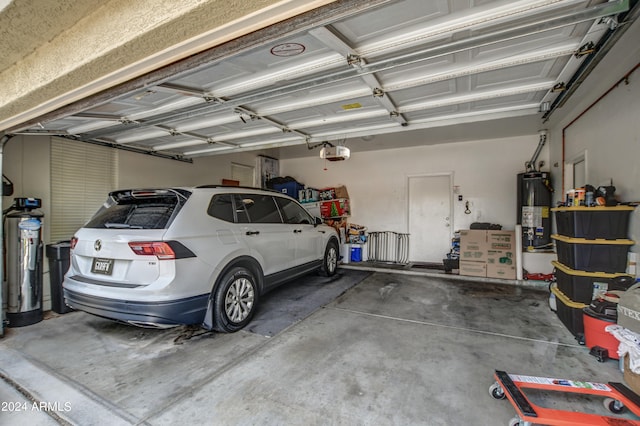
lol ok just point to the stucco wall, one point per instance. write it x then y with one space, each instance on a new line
120 40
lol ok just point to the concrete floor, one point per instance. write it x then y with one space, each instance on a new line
392 349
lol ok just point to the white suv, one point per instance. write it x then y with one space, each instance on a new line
204 255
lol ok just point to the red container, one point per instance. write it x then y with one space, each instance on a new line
595 334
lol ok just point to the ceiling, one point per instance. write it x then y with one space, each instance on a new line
393 67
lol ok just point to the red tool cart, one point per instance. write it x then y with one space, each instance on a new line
617 399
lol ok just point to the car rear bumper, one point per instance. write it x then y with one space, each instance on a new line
148 314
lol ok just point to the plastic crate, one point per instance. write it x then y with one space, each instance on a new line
570 313
580 285
289 188
609 223
608 256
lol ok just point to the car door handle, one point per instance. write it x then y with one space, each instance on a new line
297 231
253 232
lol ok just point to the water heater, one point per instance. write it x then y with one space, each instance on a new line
534 209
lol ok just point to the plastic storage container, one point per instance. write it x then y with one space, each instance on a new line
356 253
289 188
609 223
608 256
570 313
581 286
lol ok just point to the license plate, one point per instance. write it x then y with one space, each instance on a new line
102 266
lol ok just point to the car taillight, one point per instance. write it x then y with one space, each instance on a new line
74 241
160 249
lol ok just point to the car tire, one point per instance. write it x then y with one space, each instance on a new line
330 259
235 300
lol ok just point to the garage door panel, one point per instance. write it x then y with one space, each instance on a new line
371 28
403 63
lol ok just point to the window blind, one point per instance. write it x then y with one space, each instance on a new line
81 177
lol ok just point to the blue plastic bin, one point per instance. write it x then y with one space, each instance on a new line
289 188
356 253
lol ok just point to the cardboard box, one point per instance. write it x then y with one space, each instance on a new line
327 194
334 208
501 257
497 270
341 192
473 269
630 378
502 240
473 245
333 193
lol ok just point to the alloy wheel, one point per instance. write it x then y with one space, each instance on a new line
239 300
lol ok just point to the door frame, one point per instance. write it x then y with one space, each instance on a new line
569 169
451 204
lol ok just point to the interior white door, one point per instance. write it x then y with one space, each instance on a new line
430 218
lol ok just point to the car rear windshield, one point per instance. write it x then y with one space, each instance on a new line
139 209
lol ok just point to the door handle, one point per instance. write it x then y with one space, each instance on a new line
253 232
297 231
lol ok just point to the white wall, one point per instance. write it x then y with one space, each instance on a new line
377 181
609 132
136 170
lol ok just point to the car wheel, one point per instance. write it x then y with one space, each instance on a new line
235 300
330 260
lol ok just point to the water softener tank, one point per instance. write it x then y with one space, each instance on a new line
24 247
534 205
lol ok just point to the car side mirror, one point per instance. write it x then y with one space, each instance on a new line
318 221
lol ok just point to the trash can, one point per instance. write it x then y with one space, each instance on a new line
59 261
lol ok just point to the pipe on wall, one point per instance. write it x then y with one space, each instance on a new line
624 79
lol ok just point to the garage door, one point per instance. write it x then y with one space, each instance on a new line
351 69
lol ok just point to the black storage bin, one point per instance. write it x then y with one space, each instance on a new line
609 223
608 256
579 285
451 264
59 262
570 313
